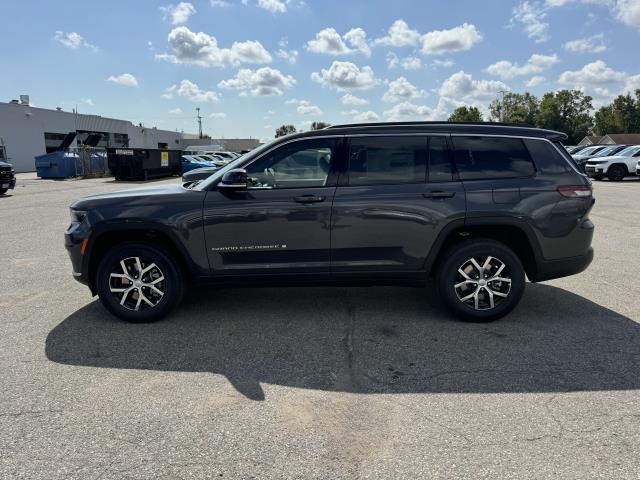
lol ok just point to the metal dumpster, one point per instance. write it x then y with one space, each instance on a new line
143 163
84 161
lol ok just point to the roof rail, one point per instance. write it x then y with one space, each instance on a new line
400 124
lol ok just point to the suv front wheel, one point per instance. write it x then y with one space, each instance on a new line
481 280
139 282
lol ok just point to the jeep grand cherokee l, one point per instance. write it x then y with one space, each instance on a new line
478 207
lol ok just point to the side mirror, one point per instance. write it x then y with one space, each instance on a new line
235 179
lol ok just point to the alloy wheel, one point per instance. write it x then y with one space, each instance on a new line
482 283
137 284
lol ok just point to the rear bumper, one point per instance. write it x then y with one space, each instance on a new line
550 269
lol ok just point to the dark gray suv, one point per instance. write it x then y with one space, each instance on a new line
478 207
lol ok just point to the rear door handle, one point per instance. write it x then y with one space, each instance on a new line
308 199
438 194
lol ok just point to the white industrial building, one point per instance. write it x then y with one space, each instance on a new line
27 131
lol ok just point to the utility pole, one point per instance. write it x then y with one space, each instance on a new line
199 122
502 92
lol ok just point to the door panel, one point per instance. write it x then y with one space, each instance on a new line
390 227
280 224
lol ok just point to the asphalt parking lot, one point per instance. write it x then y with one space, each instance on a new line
315 383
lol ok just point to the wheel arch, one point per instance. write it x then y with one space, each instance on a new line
105 238
514 234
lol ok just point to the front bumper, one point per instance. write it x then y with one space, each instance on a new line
594 171
550 269
9 183
73 242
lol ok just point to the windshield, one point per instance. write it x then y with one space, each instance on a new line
629 151
606 151
589 151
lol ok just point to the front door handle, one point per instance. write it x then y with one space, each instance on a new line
438 194
308 199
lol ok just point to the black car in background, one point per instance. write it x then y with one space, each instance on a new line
477 207
7 177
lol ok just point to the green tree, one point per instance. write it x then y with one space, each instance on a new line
515 108
620 116
567 111
283 130
466 114
319 125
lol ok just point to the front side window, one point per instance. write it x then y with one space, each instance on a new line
295 165
479 158
387 160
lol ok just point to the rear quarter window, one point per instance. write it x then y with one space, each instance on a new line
480 158
547 158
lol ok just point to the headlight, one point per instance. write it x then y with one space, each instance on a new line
78 216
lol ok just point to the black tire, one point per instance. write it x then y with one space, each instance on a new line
616 173
458 257
148 253
3 191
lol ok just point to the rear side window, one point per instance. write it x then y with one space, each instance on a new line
547 158
491 157
387 160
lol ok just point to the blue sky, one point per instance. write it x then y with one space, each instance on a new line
252 65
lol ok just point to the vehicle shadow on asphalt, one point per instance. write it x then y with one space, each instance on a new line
365 340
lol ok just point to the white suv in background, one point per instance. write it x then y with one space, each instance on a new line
615 168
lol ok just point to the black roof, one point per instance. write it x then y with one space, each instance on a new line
468 128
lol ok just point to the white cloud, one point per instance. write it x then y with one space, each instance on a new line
191 92
265 81
446 63
349 99
304 107
176 111
594 44
457 39
219 3
87 101
220 115
402 89
532 16
407 63
628 12
537 63
328 41
203 50
535 81
595 73
408 111
366 117
345 76
461 86
399 35
72 40
274 6
632 84
625 11
125 79
178 13
290 56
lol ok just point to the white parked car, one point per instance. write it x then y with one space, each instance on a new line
615 168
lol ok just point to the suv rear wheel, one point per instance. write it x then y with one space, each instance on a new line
481 280
139 282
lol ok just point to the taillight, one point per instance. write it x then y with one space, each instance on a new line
575 191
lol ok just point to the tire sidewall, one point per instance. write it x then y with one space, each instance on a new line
462 252
614 177
172 274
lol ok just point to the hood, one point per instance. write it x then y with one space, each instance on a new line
138 196
611 158
5 164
